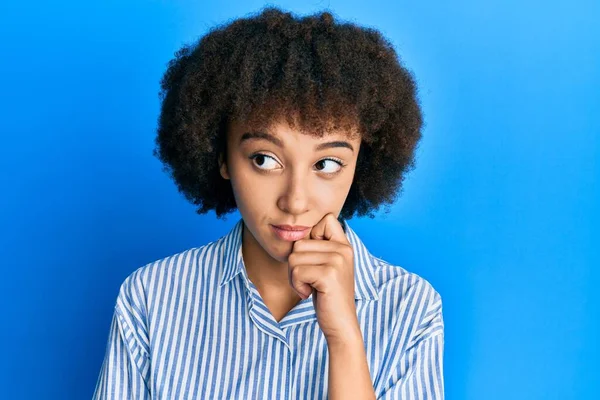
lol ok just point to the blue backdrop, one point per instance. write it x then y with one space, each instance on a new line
501 215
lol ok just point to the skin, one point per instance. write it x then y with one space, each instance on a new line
292 188
294 183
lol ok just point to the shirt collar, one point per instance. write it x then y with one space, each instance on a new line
231 261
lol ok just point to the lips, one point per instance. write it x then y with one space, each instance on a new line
291 227
295 233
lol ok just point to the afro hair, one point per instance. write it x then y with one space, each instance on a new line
315 72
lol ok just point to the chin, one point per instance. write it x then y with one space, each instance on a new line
281 250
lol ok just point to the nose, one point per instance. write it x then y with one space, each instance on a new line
295 197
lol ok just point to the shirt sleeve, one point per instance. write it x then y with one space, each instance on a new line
418 373
124 373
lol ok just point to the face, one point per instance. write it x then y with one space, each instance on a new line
281 176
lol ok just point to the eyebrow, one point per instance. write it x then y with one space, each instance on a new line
279 143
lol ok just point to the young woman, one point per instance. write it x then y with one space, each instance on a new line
298 123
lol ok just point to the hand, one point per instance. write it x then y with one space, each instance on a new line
324 265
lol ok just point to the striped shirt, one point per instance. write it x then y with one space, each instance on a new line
193 326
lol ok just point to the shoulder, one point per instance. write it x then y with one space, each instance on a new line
412 300
389 276
167 273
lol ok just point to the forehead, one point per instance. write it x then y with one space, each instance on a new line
283 132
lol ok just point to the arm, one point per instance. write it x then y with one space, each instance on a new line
349 376
422 372
420 369
124 373
417 372
123 369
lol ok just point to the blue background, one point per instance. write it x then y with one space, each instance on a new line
501 215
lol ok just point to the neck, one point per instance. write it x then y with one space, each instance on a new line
269 275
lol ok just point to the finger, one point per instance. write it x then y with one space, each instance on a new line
328 228
315 258
324 246
303 278
297 261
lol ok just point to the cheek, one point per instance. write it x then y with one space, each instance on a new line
331 193
251 190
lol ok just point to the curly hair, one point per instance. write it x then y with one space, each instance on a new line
317 73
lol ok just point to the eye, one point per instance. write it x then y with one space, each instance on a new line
336 163
262 159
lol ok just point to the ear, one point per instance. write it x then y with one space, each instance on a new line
223 167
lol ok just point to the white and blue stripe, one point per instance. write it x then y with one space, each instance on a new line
193 326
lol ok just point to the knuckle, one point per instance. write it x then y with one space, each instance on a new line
330 273
338 259
347 251
295 274
292 258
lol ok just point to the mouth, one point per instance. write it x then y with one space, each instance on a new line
290 234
